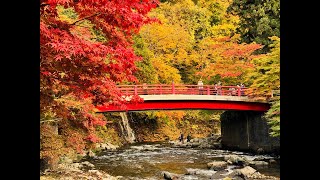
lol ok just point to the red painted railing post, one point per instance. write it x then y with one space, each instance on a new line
239 91
173 90
160 88
208 90
135 90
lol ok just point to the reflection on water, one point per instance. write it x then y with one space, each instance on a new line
147 161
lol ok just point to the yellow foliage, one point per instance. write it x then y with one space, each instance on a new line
166 74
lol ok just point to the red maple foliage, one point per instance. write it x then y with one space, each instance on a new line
230 59
77 73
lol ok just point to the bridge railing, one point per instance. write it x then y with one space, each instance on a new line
162 89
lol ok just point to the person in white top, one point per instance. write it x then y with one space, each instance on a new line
200 86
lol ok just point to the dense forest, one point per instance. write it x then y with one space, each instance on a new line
89 47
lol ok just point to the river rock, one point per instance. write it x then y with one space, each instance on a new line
201 172
263 158
234 159
137 147
98 145
74 167
260 151
84 153
170 176
91 154
195 144
217 165
86 163
104 146
227 178
246 171
148 148
96 172
194 140
183 145
257 175
217 145
272 161
259 163
66 160
112 147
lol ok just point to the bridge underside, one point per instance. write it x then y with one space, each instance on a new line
184 105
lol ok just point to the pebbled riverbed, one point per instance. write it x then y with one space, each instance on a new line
152 160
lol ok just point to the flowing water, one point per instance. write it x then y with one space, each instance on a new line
149 160
126 129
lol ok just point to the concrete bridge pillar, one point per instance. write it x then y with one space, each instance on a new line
247 131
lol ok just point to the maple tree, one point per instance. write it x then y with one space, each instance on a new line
226 60
265 76
171 43
181 43
85 50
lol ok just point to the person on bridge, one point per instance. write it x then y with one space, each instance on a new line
219 92
200 86
144 87
215 92
241 89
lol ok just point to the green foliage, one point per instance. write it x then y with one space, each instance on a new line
273 118
265 76
146 71
259 20
221 22
192 18
108 134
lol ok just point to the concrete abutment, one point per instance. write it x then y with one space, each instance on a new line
247 131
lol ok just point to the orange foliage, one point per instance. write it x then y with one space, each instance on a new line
229 59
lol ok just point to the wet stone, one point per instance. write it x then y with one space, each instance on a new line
217 165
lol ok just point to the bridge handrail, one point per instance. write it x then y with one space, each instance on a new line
159 89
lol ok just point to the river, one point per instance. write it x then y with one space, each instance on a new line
150 160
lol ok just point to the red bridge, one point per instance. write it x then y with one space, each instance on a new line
178 97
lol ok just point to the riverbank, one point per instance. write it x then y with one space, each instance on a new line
165 160
70 171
